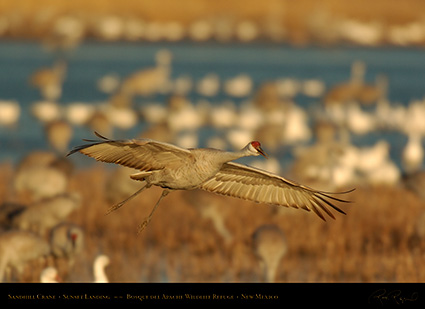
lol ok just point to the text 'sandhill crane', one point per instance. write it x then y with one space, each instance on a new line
174 168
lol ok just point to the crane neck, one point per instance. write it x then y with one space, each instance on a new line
230 156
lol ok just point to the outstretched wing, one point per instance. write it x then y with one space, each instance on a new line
141 154
256 185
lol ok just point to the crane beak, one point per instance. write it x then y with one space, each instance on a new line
262 152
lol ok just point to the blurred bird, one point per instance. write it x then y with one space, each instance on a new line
49 275
18 248
10 111
43 215
151 80
66 241
413 153
209 85
78 113
50 80
59 134
415 182
347 91
46 111
238 86
100 262
8 210
269 244
40 181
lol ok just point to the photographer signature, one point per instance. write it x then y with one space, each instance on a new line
394 296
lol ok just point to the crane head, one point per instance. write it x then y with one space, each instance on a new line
255 147
74 237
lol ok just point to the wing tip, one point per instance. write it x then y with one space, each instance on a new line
93 142
101 136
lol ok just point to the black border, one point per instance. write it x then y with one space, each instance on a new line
282 294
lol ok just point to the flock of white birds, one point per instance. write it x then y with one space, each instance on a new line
268 113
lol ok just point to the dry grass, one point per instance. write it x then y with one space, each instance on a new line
375 242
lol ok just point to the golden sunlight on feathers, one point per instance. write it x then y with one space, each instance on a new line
174 168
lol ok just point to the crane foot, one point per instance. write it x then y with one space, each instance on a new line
143 225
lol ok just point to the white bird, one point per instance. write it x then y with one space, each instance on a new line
10 111
175 168
209 85
46 111
223 115
100 262
123 118
413 153
108 83
314 88
79 113
183 85
49 275
239 86
154 113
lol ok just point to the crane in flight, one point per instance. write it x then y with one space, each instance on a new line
175 168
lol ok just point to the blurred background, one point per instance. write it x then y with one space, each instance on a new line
334 91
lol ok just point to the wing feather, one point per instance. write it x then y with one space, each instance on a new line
142 154
256 185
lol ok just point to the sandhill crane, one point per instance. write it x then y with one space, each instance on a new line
211 209
174 168
17 248
49 80
66 241
119 184
59 134
46 213
348 90
8 210
151 80
40 181
269 244
415 182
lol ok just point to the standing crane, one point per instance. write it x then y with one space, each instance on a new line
174 168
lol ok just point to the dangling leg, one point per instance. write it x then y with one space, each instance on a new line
145 223
120 204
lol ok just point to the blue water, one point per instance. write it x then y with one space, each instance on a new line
405 68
